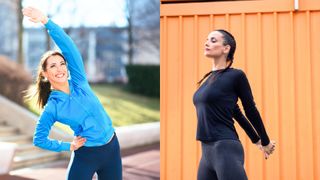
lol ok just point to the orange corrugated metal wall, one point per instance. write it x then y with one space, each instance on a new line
280 53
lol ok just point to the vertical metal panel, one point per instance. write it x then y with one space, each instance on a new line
188 73
279 51
254 71
287 100
163 97
270 88
173 126
315 79
302 94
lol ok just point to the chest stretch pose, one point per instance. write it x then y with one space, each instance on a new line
216 106
70 100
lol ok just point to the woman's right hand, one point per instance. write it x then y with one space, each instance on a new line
35 15
268 149
77 143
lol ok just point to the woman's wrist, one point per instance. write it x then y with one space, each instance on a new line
71 147
44 20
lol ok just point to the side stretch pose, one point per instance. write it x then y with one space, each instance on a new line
216 106
95 147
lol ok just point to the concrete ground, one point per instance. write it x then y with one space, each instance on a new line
139 163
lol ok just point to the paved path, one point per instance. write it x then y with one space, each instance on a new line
142 163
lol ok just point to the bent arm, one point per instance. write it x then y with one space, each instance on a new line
41 136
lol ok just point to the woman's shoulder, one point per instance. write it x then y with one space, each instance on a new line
50 106
237 72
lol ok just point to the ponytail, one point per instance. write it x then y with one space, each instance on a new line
43 89
204 77
228 67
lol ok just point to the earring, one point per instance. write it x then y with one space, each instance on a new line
44 79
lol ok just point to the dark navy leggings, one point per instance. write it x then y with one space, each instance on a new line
222 160
104 160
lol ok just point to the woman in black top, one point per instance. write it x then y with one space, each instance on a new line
216 106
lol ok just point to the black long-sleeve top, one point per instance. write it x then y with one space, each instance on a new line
244 123
216 104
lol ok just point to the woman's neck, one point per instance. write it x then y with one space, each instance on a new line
64 87
219 63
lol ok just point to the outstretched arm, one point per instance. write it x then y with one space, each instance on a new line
245 94
63 41
245 125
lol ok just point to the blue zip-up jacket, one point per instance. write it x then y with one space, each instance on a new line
80 109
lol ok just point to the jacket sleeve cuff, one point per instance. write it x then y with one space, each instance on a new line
49 24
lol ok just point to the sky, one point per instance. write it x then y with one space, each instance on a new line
91 13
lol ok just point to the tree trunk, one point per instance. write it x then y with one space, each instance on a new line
20 33
130 41
48 44
129 14
48 47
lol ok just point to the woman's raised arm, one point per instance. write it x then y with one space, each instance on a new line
63 41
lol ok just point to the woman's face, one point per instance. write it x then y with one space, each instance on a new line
56 70
214 47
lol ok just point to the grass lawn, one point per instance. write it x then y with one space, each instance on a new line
123 107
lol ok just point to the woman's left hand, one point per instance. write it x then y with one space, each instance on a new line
77 143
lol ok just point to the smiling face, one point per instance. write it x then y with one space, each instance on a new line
215 46
55 70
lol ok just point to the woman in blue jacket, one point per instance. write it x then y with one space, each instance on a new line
71 101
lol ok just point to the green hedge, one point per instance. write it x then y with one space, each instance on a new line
14 79
144 79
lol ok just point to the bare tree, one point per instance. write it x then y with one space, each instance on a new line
129 15
148 23
142 25
20 32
